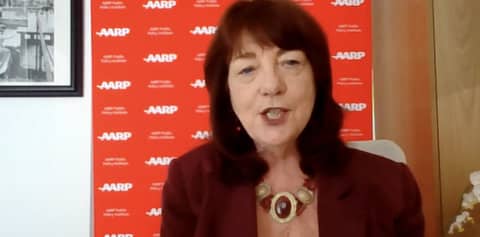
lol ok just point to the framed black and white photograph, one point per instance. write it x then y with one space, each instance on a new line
41 48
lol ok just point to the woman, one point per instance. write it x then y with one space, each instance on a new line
276 165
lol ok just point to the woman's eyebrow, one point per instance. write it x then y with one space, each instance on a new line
281 52
284 51
244 55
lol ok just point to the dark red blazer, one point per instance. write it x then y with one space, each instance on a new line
371 197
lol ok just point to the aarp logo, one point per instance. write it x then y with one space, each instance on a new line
114 85
201 135
204 30
160 4
350 56
113 32
353 107
154 212
119 235
161 58
198 84
347 3
115 136
116 187
161 109
159 161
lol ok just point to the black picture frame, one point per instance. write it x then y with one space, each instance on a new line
75 86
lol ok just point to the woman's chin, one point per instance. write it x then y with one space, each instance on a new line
274 141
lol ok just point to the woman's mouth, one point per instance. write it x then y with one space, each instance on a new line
274 113
274 116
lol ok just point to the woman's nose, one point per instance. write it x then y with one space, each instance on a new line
272 83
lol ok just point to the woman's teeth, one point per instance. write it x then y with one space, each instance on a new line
274 113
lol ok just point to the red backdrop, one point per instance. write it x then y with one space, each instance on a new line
150 104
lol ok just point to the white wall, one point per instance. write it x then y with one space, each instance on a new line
45 162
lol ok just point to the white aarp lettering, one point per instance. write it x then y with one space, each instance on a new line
113 32
160 58
160 4
357 107
161 109
204 30
349 55
162 161
347 3
198 84
154 212
116 187
115 136
201 135
114 85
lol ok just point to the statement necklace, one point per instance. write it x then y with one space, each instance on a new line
284 206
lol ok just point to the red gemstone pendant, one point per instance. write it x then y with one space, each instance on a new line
283 207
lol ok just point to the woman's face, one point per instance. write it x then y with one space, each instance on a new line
272 92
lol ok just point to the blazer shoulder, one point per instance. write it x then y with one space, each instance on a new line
392 191
197 163
371 166
382 178
189 177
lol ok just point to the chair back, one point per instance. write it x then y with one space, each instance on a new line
385 148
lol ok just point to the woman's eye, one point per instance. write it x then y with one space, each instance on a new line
290 63
246 70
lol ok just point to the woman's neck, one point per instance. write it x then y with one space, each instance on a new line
283 161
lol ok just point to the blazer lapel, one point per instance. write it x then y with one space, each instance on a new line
236 211
341 210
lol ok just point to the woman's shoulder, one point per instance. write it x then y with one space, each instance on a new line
381 172
383 179
190 175
186 186
391 190
197 162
